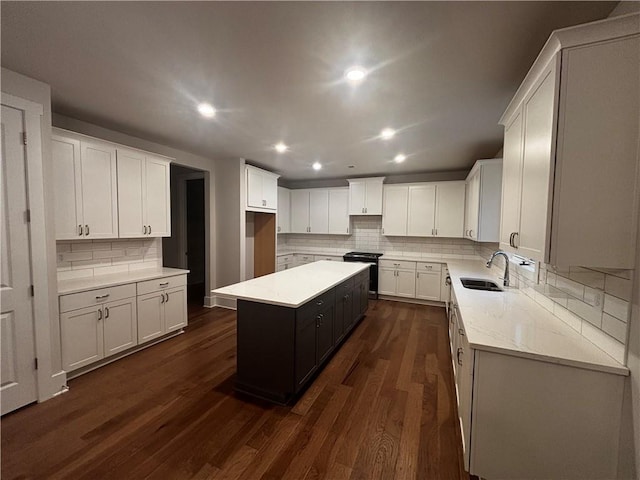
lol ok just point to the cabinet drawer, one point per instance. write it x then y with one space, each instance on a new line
428 267
90 298
161 284
345 287
304 259
315 306
398 264
330 258
284 259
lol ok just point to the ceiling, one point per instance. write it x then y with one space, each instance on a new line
440 73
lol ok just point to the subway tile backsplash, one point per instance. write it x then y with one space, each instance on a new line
88 258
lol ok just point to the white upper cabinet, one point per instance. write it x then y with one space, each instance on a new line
395 209
299 211
570 188
318 210
339 211
284 210
86 189
144 203
449 220
262 190
422 210
365 196
483 199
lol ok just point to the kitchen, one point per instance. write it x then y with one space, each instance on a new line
306 199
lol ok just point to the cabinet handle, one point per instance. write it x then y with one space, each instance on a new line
144 229
516 235
164 284
162 296
79 230
362 209
366 210
100 297
447 281
106 312
87 229
417 274
99 314
461 332
278 228
149 229
319 302
511 240
459 355
471 233
167 301
347 229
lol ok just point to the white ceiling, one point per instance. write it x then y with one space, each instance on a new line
442 73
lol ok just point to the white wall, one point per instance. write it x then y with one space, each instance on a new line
47 329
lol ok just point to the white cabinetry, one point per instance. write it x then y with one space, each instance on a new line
561 206
162 307
394 216
320 210
365 196
85 186
262 190
339 211
144 203
449 218
422 210
428 281
397 278
284 210
483 199
97 324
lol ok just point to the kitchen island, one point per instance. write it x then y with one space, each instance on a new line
290 322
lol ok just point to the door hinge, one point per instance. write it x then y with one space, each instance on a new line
24 138
27 216
32 291
36 362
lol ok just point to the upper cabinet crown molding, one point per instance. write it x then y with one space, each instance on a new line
365 196
262 190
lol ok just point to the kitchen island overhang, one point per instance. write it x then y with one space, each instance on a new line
291 322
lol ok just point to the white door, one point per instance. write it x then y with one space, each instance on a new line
339 211
511 180
157 199
120 326
18 374
150 316
394 210
283 210
270 191
65 154
386 281
450 210
131 166
175 309
357 197
422 210
319 210
373 205
299 211
428 285
99 189
82 337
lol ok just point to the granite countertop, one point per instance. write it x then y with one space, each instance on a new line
293 287
510 322
66 287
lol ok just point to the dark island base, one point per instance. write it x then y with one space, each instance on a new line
282 349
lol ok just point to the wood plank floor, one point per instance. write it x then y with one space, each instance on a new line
382 408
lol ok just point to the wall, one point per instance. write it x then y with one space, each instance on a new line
207 165
50 376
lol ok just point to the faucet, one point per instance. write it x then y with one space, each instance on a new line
506 266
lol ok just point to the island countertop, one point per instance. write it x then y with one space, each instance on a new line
293 287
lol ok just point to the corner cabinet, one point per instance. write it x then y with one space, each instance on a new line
365 196
144 203
262 190
85 187
483 199
570 181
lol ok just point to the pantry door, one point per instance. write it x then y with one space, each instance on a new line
18 369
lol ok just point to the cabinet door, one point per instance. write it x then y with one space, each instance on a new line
373 203
511 180
472 206
99 189
175 309
283 210
82 337
319 210
339 211
364 296
131 176
270 191
428 286
356 308
357 197
254 188
406 284
386 281
65 153
422 208
450 209
150 316
539 123
157 197
120 326
305 349
299 211
325 334
395 210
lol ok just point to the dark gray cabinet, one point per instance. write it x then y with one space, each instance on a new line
280 349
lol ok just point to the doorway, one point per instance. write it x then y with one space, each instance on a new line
186 248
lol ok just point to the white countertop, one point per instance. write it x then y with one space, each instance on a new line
293 287
510 322
89 283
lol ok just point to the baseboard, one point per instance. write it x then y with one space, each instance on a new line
209 302
412 300
225 302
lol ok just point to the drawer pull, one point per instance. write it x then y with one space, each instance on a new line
320 302
100 297
164 284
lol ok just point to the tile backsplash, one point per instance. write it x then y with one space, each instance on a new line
593 301
88 258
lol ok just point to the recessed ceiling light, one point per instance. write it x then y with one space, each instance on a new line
317 166
399 158
387 133
207 110
355 74
280 147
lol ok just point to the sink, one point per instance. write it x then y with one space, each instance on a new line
480 284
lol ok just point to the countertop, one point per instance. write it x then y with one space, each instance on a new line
293 287
66 287
512 323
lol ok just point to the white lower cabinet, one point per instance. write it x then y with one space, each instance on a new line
428 281
162 307
397 278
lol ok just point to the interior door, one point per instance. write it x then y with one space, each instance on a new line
18 376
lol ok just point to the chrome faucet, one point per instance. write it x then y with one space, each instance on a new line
506 265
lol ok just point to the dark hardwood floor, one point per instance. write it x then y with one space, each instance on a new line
383 407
